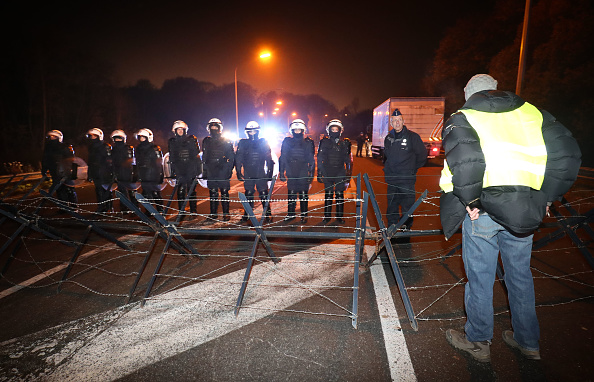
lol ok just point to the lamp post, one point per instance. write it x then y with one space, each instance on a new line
236 107
263 56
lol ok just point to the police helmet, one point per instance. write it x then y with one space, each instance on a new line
95 131
296 125
177 124
145 133
334 122
119 133
55 133
215 122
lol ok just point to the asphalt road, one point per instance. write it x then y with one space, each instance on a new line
296 318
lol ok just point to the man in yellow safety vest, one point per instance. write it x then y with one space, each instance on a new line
506 162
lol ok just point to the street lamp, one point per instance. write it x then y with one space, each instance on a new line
263 56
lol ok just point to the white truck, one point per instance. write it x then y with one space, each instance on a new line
423 115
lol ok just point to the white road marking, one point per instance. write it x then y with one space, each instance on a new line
115 344
119 342
401 367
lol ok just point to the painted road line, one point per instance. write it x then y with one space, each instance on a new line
111 345
401 367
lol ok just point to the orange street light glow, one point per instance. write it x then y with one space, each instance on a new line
279 102
265 55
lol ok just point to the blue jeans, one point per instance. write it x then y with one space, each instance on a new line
482 241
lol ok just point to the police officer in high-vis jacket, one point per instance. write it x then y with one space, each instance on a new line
218 157
297 167
254 166
186 165
149 166
335 166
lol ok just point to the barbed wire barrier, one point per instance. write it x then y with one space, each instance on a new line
174 237
189 252
421 263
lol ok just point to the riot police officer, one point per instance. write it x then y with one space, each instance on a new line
100 169
54 151
185 162
335 164
254 166
297 167
218 156
149 165
123 161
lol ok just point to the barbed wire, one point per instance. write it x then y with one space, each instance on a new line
314 257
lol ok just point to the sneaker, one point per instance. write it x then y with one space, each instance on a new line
478 350
508 338
340 221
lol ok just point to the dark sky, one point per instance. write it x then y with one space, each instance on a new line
341 50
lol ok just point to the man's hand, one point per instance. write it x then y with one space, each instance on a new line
473 213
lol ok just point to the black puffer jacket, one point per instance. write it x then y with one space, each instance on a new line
519 208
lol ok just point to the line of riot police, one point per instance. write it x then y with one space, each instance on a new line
120 165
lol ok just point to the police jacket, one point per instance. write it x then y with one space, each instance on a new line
218 157
334 158
540 176
100 162
149 162
404 154
253 159
184 157
53 153
297 158
123 159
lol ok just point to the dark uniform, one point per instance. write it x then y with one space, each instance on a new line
335 166
360 144
149 166
186 165
404 154
54 151
297 166
254 166
100 169
123 159
218 157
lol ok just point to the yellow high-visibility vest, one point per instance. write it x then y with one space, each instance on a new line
514 149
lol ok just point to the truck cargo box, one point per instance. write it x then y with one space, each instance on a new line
423 115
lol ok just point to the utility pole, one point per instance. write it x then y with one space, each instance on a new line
521 66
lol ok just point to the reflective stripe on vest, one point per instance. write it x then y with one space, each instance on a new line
514 156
